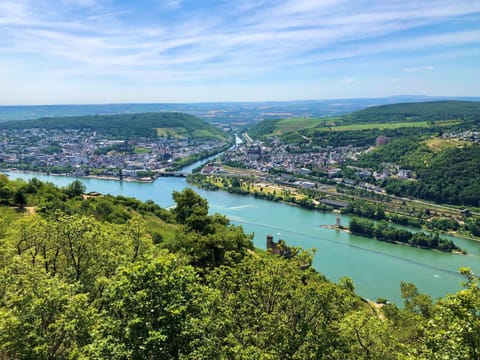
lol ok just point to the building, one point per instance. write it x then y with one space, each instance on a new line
382 140
278 248
405 174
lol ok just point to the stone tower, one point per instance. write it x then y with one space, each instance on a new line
338 219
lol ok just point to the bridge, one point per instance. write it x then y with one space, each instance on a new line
174 173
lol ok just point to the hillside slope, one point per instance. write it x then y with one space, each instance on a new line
422 111
79 283
123 125
446 175
404 115
361 128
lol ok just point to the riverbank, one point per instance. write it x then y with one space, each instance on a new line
99 177
347 230
375 267
313 196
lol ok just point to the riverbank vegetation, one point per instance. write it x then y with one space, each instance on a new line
249 186
178 164
90 276
384 232
354 202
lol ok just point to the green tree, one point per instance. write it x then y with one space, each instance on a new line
369 336
454 330
271 309
43 317
415 301
19 198
75 188
187 203
147 312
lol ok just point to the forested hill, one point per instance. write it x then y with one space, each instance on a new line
361 128
123 125
86 276
421 111
449 113
444 175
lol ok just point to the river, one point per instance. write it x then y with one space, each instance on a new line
376 268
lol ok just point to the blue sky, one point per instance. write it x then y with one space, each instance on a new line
107 51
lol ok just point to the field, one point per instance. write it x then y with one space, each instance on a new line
438 144
286 126
140 150
356 127
295 124
176 132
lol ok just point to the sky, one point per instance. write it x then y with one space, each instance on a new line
114 51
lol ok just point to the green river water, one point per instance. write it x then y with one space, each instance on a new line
376 268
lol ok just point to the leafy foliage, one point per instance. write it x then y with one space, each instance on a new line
450 176
384 232
78 284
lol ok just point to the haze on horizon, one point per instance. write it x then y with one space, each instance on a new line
111 51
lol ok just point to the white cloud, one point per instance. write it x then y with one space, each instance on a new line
242 40
348 80
81 3
170 4
418 68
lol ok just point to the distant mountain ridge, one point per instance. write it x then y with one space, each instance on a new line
218 111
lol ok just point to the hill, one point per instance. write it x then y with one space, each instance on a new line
445 171
148 125
361 128
226 112
280 127
413 112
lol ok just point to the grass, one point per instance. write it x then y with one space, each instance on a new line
295 124
201 133
176 132
140 151
266 188
356 127
157 225
438 144
277 190
180 133
394 125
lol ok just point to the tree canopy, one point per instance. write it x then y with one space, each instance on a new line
148 283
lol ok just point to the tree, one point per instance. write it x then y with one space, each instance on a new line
148 308
269 308
369 336
415 301
43 317
19 198
75 188
188 203
454 330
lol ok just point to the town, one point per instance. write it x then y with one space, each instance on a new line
311 161
287 163
85 152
